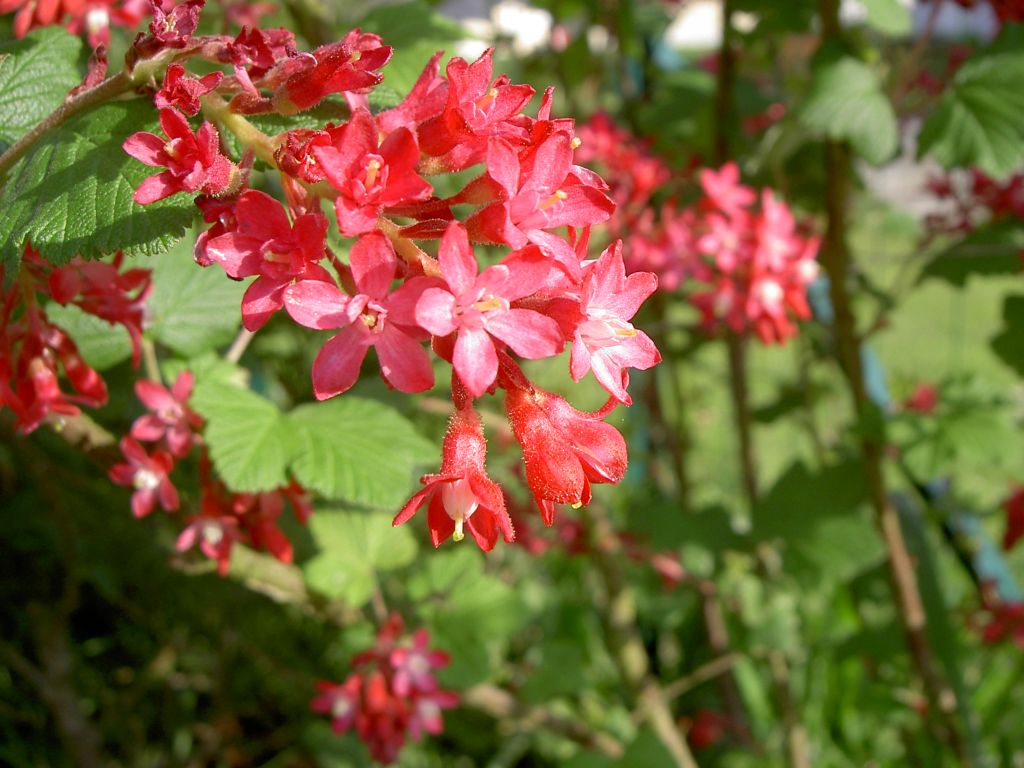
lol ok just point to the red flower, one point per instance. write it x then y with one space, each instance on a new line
479 308
194 161
923 399
605 341
1014 507
265 243
170 419
461 495
349 65
370 176
372 317
148 475
476 110
539 190
181 91
564 450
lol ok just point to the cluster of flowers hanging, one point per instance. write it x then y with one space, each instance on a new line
751 260
34 351
168 433
970 198
531 206
391 693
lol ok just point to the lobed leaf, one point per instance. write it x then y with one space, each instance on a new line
36 74
72 193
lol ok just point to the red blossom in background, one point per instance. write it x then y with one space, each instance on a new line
924 399
1014 508
181 91
390 695
148 474
170 419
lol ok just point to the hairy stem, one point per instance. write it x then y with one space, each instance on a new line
738 388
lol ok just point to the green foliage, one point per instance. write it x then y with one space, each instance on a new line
353 548
358 450
992 249
1009 343
890 17
416 32
192 309
247 435
72 193
845 102
979 120
36 74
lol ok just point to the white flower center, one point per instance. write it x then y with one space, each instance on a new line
145 479
460 503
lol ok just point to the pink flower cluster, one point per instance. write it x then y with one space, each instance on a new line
34 351
173 430
391 694
415 271
753 258
971 198
93 17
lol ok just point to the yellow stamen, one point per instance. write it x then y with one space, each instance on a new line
369 320
372 169
576 505
576 142
356 56
557 197
485 101
458 535
487 304
627 332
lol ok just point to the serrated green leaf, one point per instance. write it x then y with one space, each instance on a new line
72 193
979 119
1009 343
846 102
992 249
192 309
102 344
890 17
354 547
416 32
357 450
36 74
248 436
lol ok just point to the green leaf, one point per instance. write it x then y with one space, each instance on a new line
72 193
192 309
820 517
248 436
846 102
357 450
417 32
36 74
890 17
354 548
102 344
1009 343
992 249
979 119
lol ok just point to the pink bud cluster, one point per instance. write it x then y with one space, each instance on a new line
172 430
415 272
391 693
753 258
35 352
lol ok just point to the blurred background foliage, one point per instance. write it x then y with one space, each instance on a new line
773 633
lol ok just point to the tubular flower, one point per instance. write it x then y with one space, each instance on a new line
461 496
148 475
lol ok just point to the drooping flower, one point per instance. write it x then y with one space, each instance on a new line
193 161
148 474
461 496
564 450
372 317
478 308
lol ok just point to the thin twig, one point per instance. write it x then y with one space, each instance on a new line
700 675
239 345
